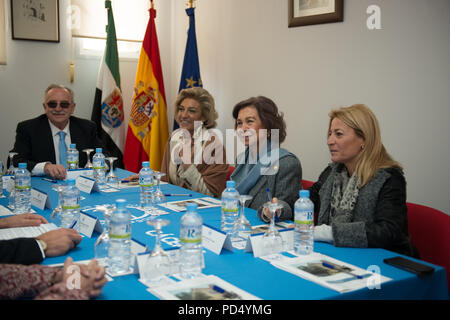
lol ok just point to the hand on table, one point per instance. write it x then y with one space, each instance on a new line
22 220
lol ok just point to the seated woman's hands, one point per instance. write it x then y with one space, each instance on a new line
91 277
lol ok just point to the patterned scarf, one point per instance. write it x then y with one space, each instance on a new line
344 196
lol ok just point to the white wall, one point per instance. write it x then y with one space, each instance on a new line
246 49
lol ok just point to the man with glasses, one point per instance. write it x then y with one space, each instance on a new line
42 142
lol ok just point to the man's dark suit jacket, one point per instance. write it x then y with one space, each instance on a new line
34 141
20 250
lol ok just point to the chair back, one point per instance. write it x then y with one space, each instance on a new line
306 184
230 171
429 229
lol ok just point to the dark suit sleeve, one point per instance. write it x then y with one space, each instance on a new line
23 146
287 183
20 250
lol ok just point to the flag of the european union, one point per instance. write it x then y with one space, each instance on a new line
190 75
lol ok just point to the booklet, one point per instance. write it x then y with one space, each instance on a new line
26 232
201 288
202 203
329 272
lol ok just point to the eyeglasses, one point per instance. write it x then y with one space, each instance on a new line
62 104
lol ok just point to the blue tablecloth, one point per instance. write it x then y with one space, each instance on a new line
241 269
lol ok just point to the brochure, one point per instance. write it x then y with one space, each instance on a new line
329 272
202 203
201 288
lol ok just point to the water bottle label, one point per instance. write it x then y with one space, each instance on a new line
98 168
144 185
232 210
120 236
22 187
191 236
65 207
304 217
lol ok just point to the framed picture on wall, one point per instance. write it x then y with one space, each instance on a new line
308 12
35 20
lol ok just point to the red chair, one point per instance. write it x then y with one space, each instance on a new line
230 171
306 184
429 229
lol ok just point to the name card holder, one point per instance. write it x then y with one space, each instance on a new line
255 243
40 199
88 223
75 173
142 257
86 184
215 240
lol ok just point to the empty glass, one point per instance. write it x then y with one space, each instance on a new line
11 170
111 178
88 155
272 240
158 196
158 263
101 246
55 217
242 226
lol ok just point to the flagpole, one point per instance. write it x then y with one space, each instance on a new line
190 4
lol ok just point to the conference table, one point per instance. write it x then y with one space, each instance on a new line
239 268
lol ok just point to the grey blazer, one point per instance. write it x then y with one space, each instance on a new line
284 185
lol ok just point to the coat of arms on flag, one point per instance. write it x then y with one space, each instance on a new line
112 109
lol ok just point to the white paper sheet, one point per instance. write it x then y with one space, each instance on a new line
26 232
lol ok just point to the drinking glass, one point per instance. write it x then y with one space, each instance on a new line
101 245
242 226
55 217
272 241
158 264
158 196
88 155
11 170
111 178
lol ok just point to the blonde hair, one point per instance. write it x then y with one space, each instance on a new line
373 155
206 101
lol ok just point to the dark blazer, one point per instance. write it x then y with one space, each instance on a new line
284 185
380 213
34 141
20 250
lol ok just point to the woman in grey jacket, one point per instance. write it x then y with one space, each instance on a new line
360 198
264 168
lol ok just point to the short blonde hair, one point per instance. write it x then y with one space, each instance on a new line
206 101
374 155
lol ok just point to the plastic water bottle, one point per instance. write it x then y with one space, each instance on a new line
98 163
72 157
230 207
146 184
119 252
22 186
191 251
70 214
304 224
